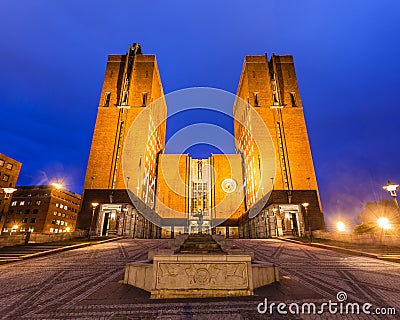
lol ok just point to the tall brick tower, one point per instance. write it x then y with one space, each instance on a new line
131 83
270 88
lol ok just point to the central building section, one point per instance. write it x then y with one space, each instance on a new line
197 195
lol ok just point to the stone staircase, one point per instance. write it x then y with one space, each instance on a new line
200 244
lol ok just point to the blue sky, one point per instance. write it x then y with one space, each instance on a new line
53 56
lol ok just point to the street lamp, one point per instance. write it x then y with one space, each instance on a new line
7 194
94 206
384 224
305 205
392 188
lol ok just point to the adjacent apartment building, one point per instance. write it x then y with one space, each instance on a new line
43 209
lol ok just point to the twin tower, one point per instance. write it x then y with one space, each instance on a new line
267 188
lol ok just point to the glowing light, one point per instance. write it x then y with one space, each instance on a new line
95 204
67 229
15 226
57 185
384 223
340 226
305 204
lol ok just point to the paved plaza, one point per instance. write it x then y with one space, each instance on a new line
85 283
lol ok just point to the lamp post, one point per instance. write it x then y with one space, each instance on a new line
7 194
305 205
392 188
94 206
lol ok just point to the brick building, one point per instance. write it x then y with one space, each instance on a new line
9 172
43 209
271 175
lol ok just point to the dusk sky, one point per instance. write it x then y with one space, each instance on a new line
53 57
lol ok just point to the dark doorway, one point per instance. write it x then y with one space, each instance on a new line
106 224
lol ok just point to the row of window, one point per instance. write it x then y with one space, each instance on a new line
56 230
22 229
61 214
42 195
24 220
9 166
23 203
59 222
27 211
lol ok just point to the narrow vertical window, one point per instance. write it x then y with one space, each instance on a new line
144 98
107 97
275 99
125 98
256 99
293 99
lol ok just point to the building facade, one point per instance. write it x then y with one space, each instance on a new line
43 209
9 172
271 175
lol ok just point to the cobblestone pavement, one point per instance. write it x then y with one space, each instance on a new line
84 284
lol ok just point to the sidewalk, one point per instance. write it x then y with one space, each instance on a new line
376 251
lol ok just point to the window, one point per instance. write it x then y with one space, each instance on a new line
19 211
35 211
38 202
256 99
33 220
1 163
293 99
63 215
14 203
107 97
28 203
53 221
55 213
10 212
6 177
51 229
22 203
144 98
9 166
25 220
125 98
27 211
